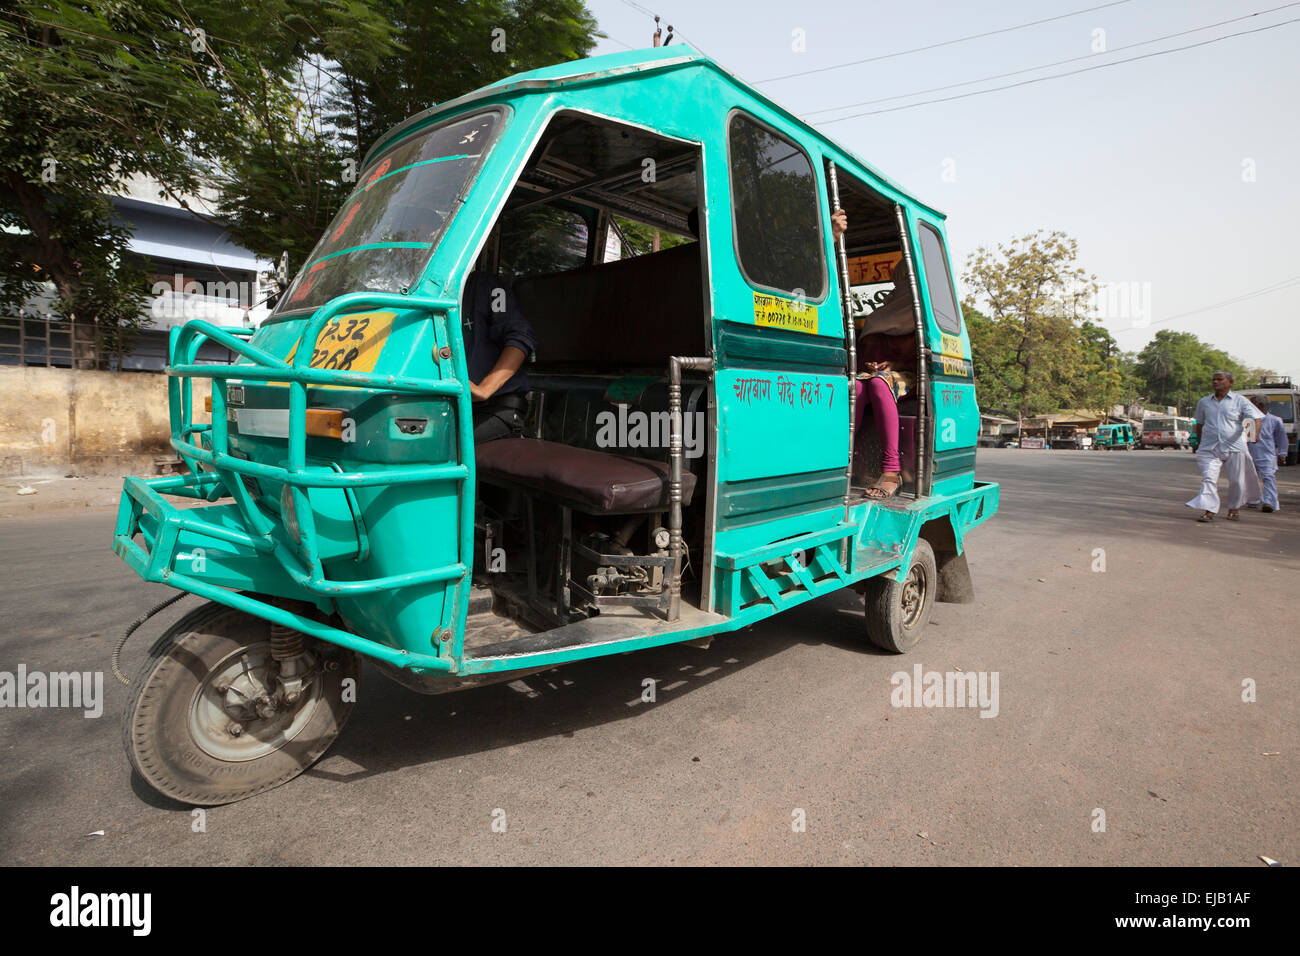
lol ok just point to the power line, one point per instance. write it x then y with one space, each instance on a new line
1243 297
1057 76
1044 66
935 46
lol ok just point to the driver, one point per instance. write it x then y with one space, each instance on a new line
498 340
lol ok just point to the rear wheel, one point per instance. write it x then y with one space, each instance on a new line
210 721
897 611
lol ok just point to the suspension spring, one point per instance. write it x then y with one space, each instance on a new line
286 643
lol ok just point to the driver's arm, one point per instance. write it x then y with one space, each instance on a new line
510 361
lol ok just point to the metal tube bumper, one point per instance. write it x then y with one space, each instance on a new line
140 495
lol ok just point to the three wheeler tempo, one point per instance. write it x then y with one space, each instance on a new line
690 462
1111 437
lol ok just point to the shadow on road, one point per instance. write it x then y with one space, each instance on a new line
394 728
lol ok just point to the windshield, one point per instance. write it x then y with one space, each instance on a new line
1158 425
383 234
1283 408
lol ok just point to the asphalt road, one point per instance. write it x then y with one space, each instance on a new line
1119 690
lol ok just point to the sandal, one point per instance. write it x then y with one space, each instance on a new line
1233 516
880 490
1205 517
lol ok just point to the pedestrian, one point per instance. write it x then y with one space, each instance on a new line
1268 453
1221 446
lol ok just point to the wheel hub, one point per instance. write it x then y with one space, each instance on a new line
240 712
913 597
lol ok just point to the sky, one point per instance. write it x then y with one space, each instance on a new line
1178 174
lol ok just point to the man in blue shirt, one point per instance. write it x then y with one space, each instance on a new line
1221 445
498 339
1267 454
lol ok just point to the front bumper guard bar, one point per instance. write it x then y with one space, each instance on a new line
216 473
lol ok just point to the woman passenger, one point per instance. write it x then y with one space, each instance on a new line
886 349
887 361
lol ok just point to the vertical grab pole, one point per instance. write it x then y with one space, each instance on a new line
675 454
850 341
923 361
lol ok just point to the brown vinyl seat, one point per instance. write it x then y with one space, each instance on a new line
594 482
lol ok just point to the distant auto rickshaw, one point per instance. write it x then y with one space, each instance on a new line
1111 437
690 463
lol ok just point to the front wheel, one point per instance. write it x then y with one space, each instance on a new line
897 611
210 721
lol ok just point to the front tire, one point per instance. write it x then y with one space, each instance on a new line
897 612
206 724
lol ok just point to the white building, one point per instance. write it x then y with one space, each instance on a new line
194 272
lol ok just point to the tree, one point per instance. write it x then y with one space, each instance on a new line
91 93
1101 381
1032 352
272 102
286 182
1175 368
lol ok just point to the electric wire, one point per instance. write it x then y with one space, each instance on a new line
1057 76
1045 66
942 43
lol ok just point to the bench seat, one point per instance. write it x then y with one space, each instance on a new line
594 482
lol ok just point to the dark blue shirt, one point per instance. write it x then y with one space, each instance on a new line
493 321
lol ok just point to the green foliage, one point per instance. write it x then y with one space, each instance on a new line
445 49
1175 369
92 93
393 59
267 101
642 238
1034 350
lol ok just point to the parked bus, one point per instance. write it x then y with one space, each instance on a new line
1168 432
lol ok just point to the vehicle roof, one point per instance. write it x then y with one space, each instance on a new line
614 67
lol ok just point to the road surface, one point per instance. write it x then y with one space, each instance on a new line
1120 701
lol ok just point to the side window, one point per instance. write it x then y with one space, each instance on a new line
777 211
938 280
540 240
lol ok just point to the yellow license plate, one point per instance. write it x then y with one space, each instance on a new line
350 343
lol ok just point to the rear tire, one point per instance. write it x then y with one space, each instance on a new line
897 612
187 700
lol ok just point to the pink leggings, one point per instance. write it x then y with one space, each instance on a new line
885 411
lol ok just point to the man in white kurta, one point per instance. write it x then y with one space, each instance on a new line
1221 422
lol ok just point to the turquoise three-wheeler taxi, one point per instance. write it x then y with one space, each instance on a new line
690 454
